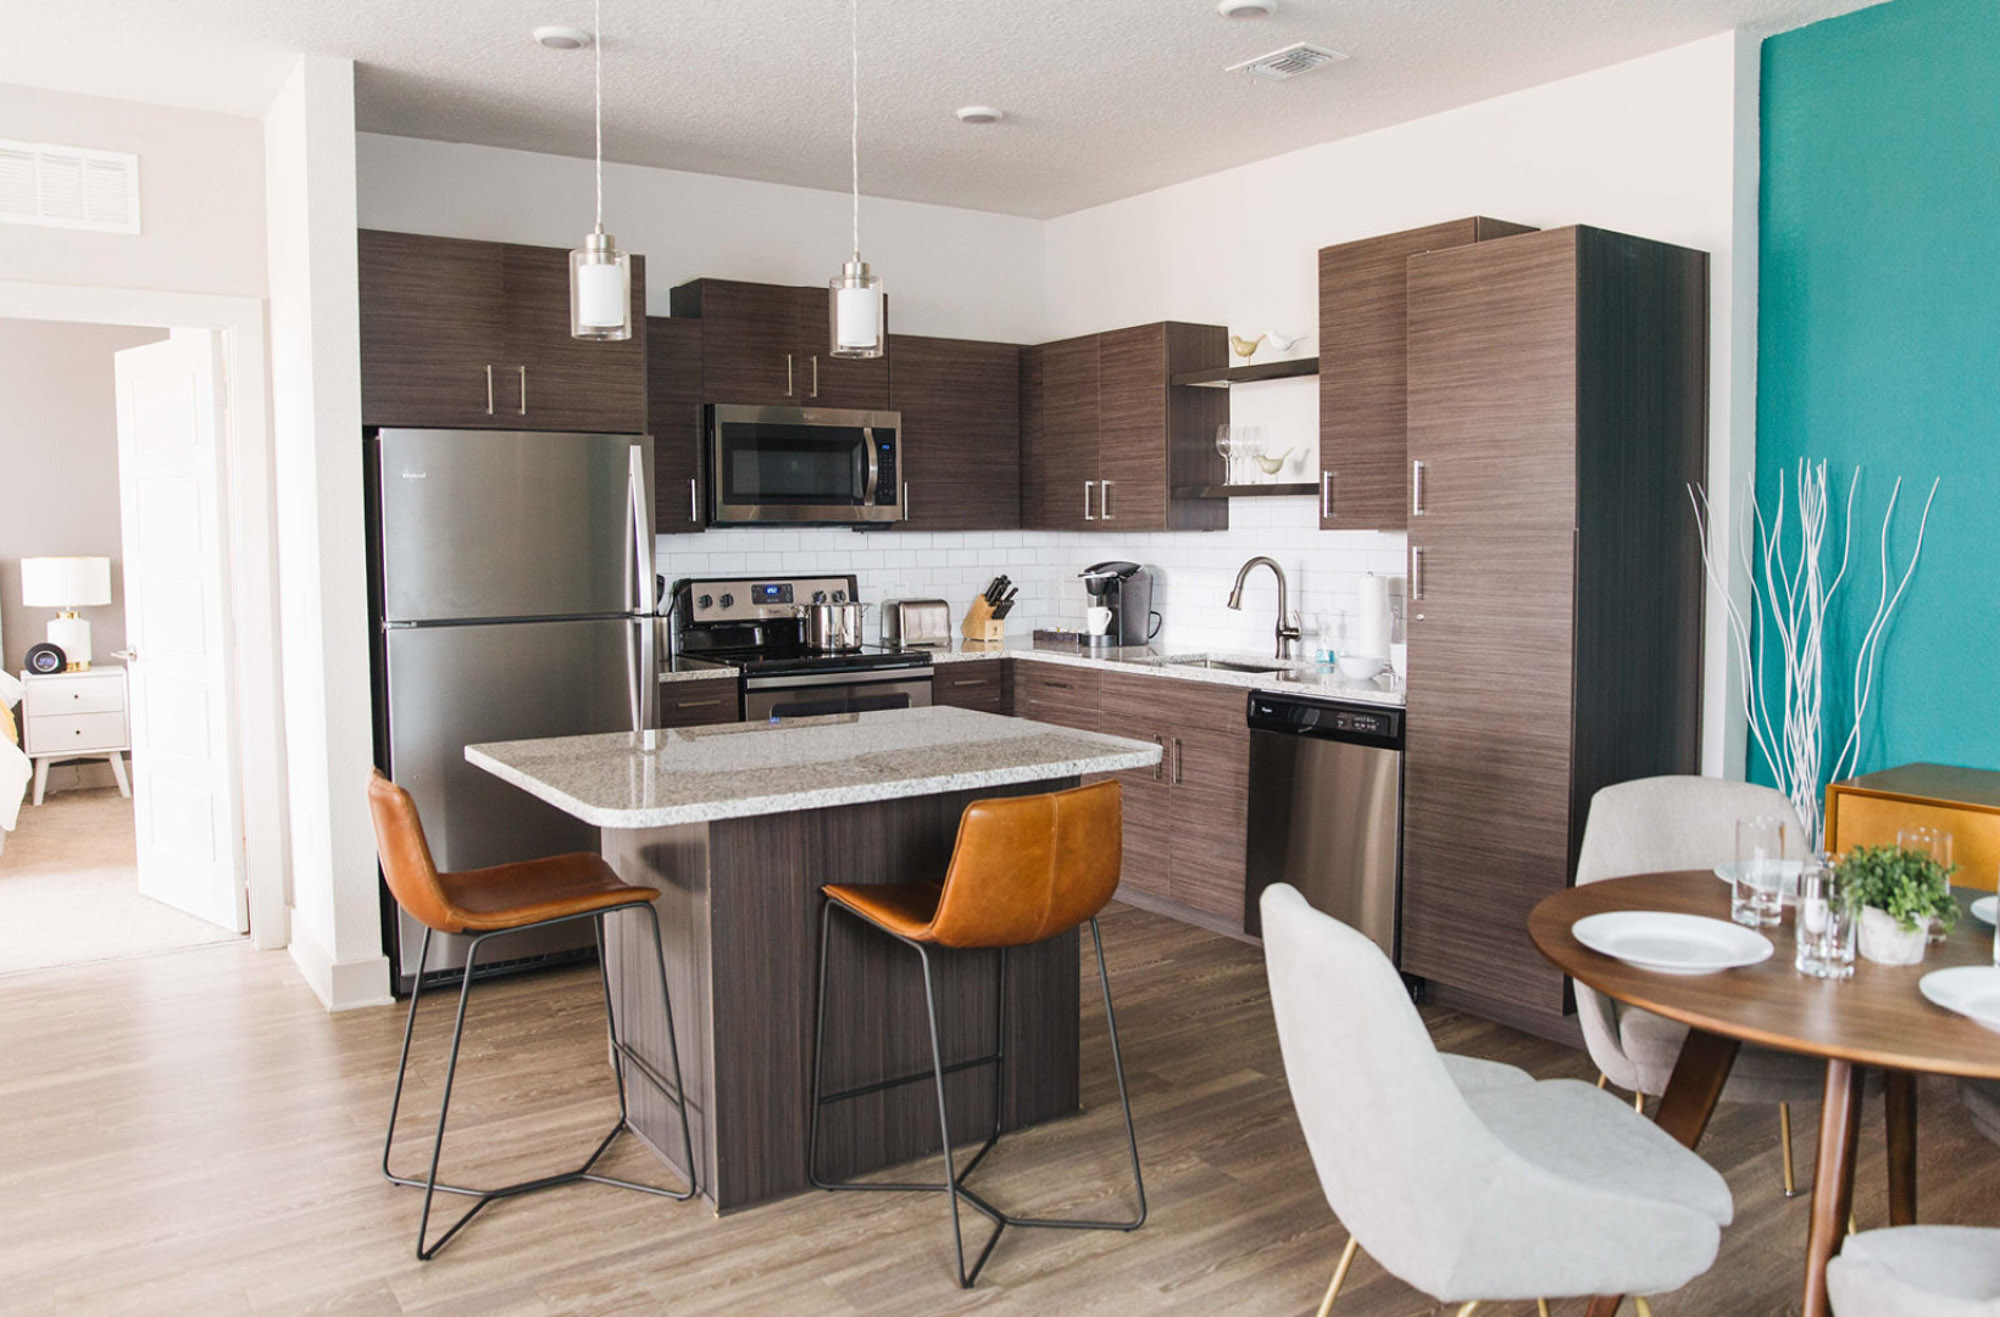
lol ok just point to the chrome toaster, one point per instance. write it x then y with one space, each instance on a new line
916 622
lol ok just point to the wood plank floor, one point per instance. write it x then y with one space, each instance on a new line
190 1132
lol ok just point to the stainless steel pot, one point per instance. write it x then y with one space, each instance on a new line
832 626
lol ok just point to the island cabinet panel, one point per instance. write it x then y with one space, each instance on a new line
960 401
673 418
1557 397
1363 454
981 685
768 345
475 335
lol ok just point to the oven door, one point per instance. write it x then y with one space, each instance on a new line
798 464
809 695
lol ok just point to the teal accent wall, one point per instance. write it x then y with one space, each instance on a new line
1879 344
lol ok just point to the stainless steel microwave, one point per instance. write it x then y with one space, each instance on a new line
804 464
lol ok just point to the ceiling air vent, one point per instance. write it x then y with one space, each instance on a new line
68 187
1299 57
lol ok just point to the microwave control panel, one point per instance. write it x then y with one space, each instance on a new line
888 485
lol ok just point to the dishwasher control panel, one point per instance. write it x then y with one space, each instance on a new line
1304 715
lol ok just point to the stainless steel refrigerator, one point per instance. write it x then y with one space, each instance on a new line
513 595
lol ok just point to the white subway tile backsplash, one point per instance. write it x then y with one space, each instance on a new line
1194 571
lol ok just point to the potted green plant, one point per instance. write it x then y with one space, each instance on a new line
1900 892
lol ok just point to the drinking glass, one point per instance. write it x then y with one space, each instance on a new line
1826 922
1756 888
1936 843
1225 446
1249 447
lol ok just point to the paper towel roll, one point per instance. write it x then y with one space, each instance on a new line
1371 635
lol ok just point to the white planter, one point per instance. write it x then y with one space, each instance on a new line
1887 942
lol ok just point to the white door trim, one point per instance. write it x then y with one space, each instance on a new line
252 553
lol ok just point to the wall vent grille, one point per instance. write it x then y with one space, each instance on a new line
1299 57
69 187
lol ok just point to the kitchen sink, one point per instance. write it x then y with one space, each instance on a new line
1209 661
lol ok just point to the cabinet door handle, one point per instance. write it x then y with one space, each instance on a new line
906 500
1416 572
1104 500
788 374
694 501
1417 488
1180 760
1160 769
1088 515
696 704
815 380
489 390
972 681
1326 495
524 390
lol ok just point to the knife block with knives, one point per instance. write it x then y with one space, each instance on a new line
984 617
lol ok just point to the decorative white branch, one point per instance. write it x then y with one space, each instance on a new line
1790 598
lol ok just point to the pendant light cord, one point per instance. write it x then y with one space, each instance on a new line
597 45
854 122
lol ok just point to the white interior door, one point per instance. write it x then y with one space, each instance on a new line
171 423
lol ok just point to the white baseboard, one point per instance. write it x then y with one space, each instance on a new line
340 986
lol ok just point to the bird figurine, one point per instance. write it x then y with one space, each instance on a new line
1280 343
1271 466
1245 346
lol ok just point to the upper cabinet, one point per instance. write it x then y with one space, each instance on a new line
476 335
961 406
767 344
1364 480
1112 445
673 418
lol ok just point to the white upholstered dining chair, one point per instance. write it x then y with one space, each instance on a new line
1917 1271
1654 825
1467 1179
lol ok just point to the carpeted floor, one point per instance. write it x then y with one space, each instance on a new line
69 889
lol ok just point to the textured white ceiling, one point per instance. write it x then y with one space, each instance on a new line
1105 98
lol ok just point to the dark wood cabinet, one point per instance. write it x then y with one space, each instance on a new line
698 703
961 406
981 684
1363 455
768 345
463 334
673 418
1112 441
1034 458
1558 399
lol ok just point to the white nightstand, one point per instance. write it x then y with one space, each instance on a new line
76 715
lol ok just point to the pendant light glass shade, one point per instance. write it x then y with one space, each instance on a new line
600 289
855 310
600 276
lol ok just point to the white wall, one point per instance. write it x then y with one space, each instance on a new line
316 384
201 197
1664 147
957 273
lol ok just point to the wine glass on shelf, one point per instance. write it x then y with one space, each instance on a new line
1226 448
1250 447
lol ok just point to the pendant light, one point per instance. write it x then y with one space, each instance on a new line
600 276
855 315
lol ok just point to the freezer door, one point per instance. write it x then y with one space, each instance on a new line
502 524
454 686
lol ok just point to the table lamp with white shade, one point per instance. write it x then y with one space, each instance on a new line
67 584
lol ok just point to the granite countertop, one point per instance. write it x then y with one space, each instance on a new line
731 770
1300 678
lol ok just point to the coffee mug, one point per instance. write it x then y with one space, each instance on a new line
1098 620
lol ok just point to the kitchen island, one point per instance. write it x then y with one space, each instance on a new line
739 825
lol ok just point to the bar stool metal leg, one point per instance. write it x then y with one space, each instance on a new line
620 1053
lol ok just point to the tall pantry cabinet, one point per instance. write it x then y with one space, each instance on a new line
1557 414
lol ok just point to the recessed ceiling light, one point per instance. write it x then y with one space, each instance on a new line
1246 8
562 38
980 114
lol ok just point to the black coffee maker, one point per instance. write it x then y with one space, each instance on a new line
1126 589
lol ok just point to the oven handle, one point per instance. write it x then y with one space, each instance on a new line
874 467
866 677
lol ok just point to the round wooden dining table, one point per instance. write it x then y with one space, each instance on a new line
1877 1019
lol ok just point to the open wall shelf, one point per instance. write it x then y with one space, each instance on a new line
1229 376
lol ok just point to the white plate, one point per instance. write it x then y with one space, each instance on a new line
1970 990
1985 909
1671 943
1788 877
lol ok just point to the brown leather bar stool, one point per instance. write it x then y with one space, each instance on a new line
1024 868
487 903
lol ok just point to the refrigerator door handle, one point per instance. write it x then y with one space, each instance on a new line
646 671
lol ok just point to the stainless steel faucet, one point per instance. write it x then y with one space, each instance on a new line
1287 629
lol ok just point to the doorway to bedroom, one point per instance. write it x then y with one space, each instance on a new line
117 818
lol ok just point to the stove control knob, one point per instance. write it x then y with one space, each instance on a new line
729 601
840 596
819 596
704 602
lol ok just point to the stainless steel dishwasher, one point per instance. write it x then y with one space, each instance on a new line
1326 809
